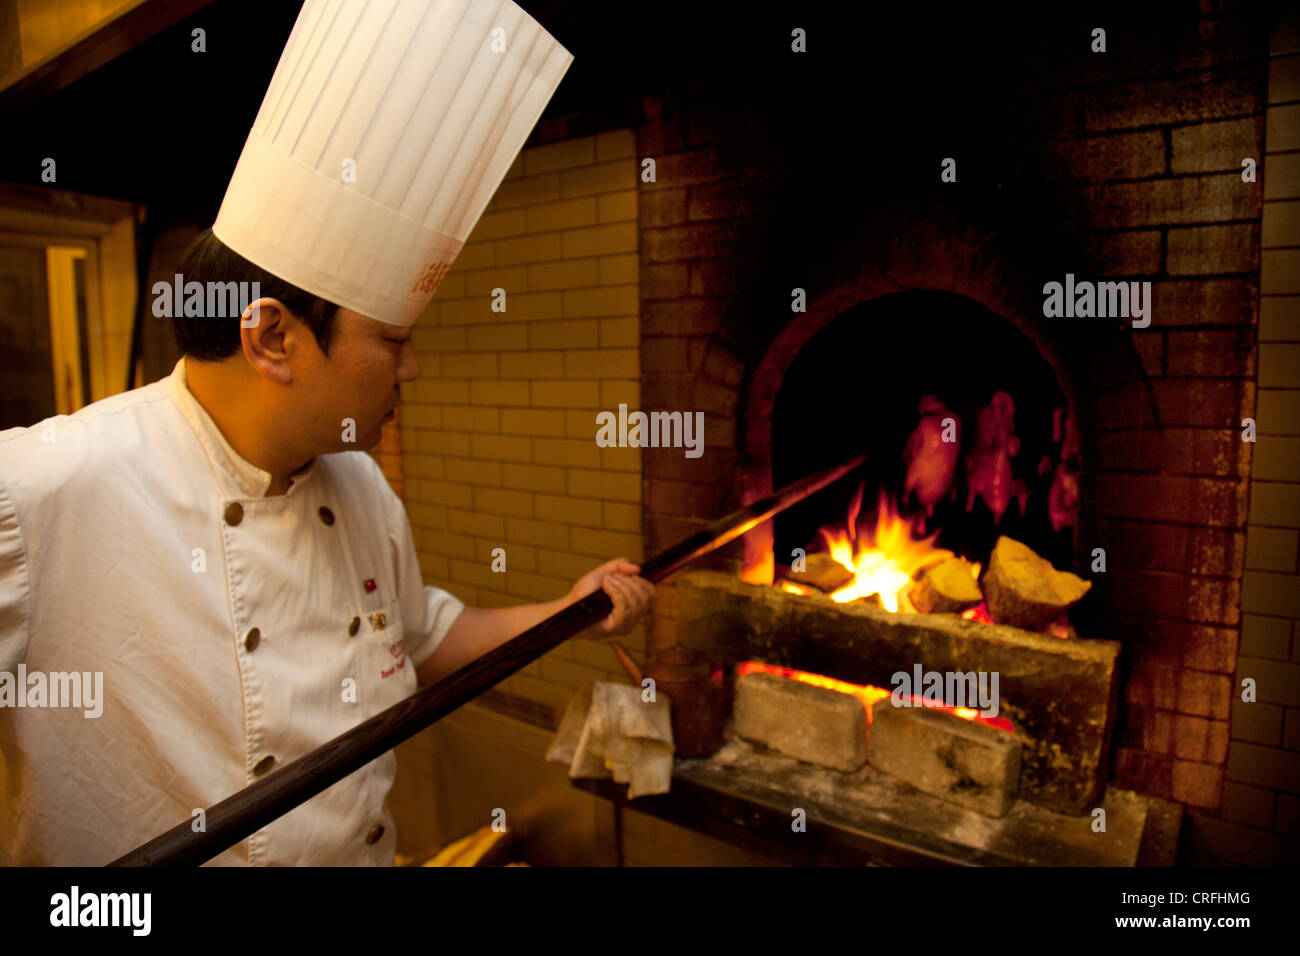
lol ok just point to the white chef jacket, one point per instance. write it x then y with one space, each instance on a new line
137 543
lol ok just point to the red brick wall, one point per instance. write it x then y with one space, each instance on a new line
1144 148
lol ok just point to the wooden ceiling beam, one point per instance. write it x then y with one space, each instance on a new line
101 45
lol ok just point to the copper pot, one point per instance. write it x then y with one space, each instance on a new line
694 683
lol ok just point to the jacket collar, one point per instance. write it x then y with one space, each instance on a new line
239 478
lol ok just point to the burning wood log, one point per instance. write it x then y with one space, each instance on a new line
822 572
949 588
1024 590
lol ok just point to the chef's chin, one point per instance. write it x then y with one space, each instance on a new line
362 439
366 442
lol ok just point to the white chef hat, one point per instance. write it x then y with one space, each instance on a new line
386 129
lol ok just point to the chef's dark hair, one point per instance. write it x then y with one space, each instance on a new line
208 339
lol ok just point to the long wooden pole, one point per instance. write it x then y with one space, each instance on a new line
243 813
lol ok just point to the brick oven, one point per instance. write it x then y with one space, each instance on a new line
806 268
1132 180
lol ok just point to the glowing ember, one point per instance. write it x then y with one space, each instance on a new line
867 693
980 612
885 559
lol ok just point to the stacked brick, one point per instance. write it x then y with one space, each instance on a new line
1155 142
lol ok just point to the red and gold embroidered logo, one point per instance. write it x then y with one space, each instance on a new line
399 652
431 278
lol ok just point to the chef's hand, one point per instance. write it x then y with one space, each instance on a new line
632 595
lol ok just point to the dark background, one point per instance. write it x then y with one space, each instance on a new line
164 126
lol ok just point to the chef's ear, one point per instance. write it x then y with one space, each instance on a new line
266 334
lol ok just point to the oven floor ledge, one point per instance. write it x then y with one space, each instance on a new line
880 817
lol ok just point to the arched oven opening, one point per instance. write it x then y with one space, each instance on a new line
967 432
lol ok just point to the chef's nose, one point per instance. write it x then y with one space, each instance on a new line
408 368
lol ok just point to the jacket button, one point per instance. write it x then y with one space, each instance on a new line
354 627
251 641
234 513
326 515
263 765
375 835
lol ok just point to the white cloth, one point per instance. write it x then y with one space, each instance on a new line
384 133
609 730
115 556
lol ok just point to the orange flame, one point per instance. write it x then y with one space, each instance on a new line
867 693
884 559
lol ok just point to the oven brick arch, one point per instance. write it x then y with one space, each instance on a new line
1168 486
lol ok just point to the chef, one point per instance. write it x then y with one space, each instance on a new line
214 556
